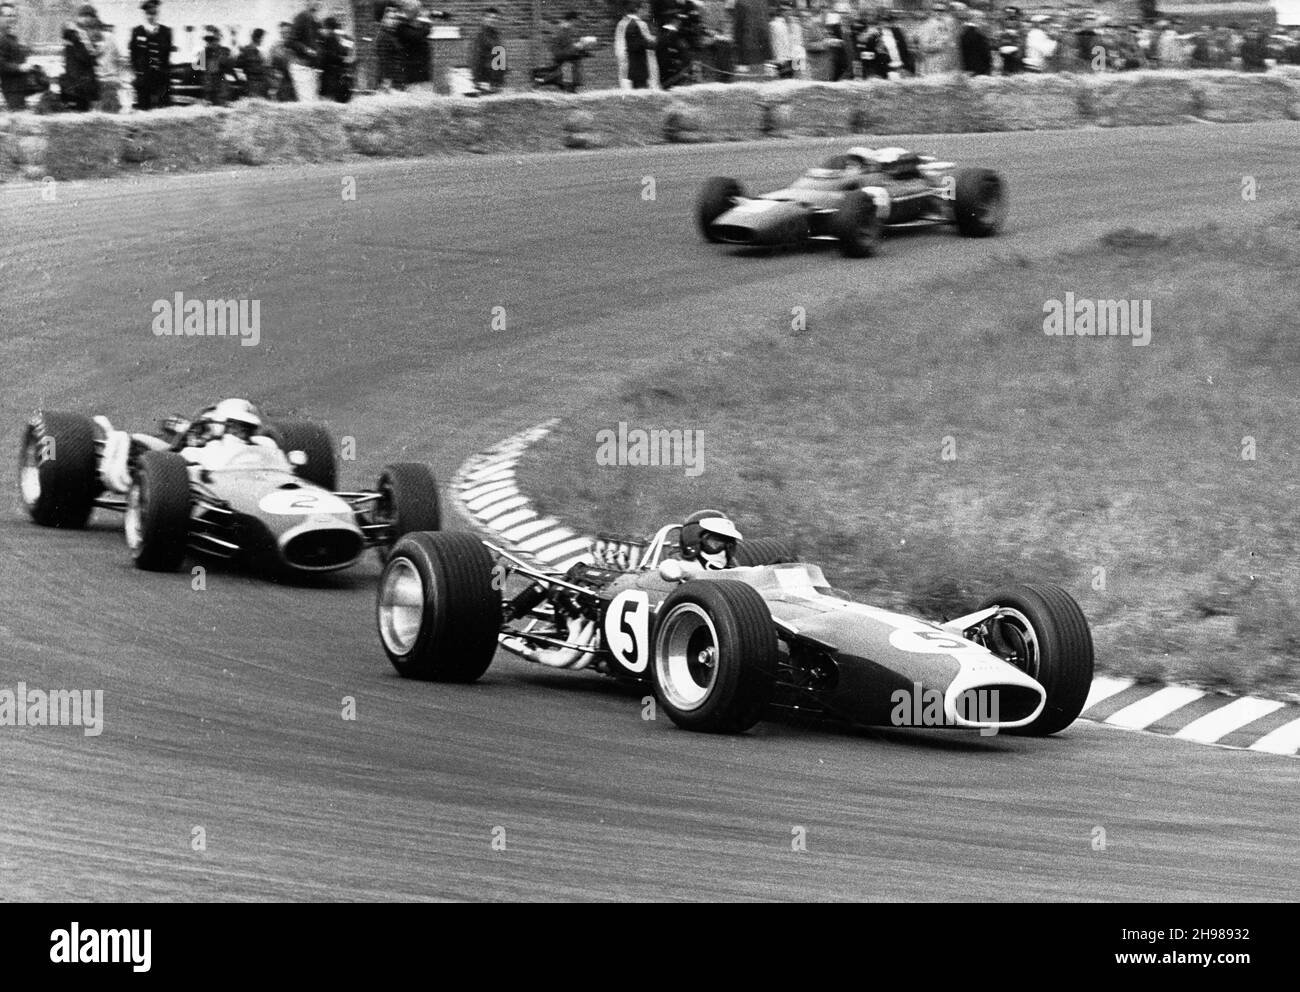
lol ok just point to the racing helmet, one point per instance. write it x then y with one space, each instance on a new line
709 537
235 418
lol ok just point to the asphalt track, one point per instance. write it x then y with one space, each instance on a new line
223 706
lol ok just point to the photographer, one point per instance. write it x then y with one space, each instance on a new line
13 77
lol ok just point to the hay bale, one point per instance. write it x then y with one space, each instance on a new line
1028 102
398 124
258 133
1237 98
1140 97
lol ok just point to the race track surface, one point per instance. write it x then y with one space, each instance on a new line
223 706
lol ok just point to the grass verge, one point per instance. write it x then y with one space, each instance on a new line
930 451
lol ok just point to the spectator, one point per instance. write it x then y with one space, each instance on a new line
216 65
838 37
151 59
1222 49
1011 42
817 51
719 40
80 86
634 50
110 69
304 45
865 38
489 58
252 64
334 82
13 57
1254 49
973 43
893 54
1129 49
784 40
753 35
936 42
673 54
1201 55
1089 45
661 12
1039 45
1291 54
413 36
1170 53
567 51
390 72
280 60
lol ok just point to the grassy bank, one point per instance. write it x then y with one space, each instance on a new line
927 452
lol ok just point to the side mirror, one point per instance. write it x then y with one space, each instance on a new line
298 458
671 570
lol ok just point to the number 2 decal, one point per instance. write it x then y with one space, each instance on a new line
304 502
627 630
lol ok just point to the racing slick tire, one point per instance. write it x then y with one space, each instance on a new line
158 512
437 609
1043 632
715 199
409 501
58 477
713 663
316 443
857 225
979 202
763 551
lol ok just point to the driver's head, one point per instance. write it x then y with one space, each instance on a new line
236 418
709 537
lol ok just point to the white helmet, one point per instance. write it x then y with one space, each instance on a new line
237 417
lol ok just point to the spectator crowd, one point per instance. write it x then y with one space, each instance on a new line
656 44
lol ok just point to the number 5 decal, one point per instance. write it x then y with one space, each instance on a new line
627 630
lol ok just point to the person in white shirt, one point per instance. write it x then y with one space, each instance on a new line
1039 45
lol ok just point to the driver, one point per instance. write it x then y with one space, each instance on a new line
709 537
236 419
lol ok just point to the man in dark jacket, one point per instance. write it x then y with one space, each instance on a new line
80 84
489 55
413 39
753 34
280 59
252 64
334 82
217 63
976 54
304 39
390 68
13 77
151 59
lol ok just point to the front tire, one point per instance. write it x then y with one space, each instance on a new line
158 512
437 610
764 551
58 473
717 196
857 225
713 666
979 202
1043 632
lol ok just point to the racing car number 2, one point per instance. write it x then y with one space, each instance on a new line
627 629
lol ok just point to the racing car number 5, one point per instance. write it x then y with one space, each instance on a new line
627 629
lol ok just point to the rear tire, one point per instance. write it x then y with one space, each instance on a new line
437 611
713 665
158 512
716 197
314 441
979 202
857 225
764 551
1059 654
58 470
410 501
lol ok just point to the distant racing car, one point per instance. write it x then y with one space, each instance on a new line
722 647
267 497
851 198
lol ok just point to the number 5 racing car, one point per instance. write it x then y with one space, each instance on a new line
851 198
225 485
722 648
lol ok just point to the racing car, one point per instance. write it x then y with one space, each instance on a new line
851 198
224 485
722 648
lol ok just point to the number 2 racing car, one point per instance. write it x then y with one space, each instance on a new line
852 198
722 648
265 495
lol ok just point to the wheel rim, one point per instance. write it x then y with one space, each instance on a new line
29 475
686 657
1012 638
401 606
132 525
